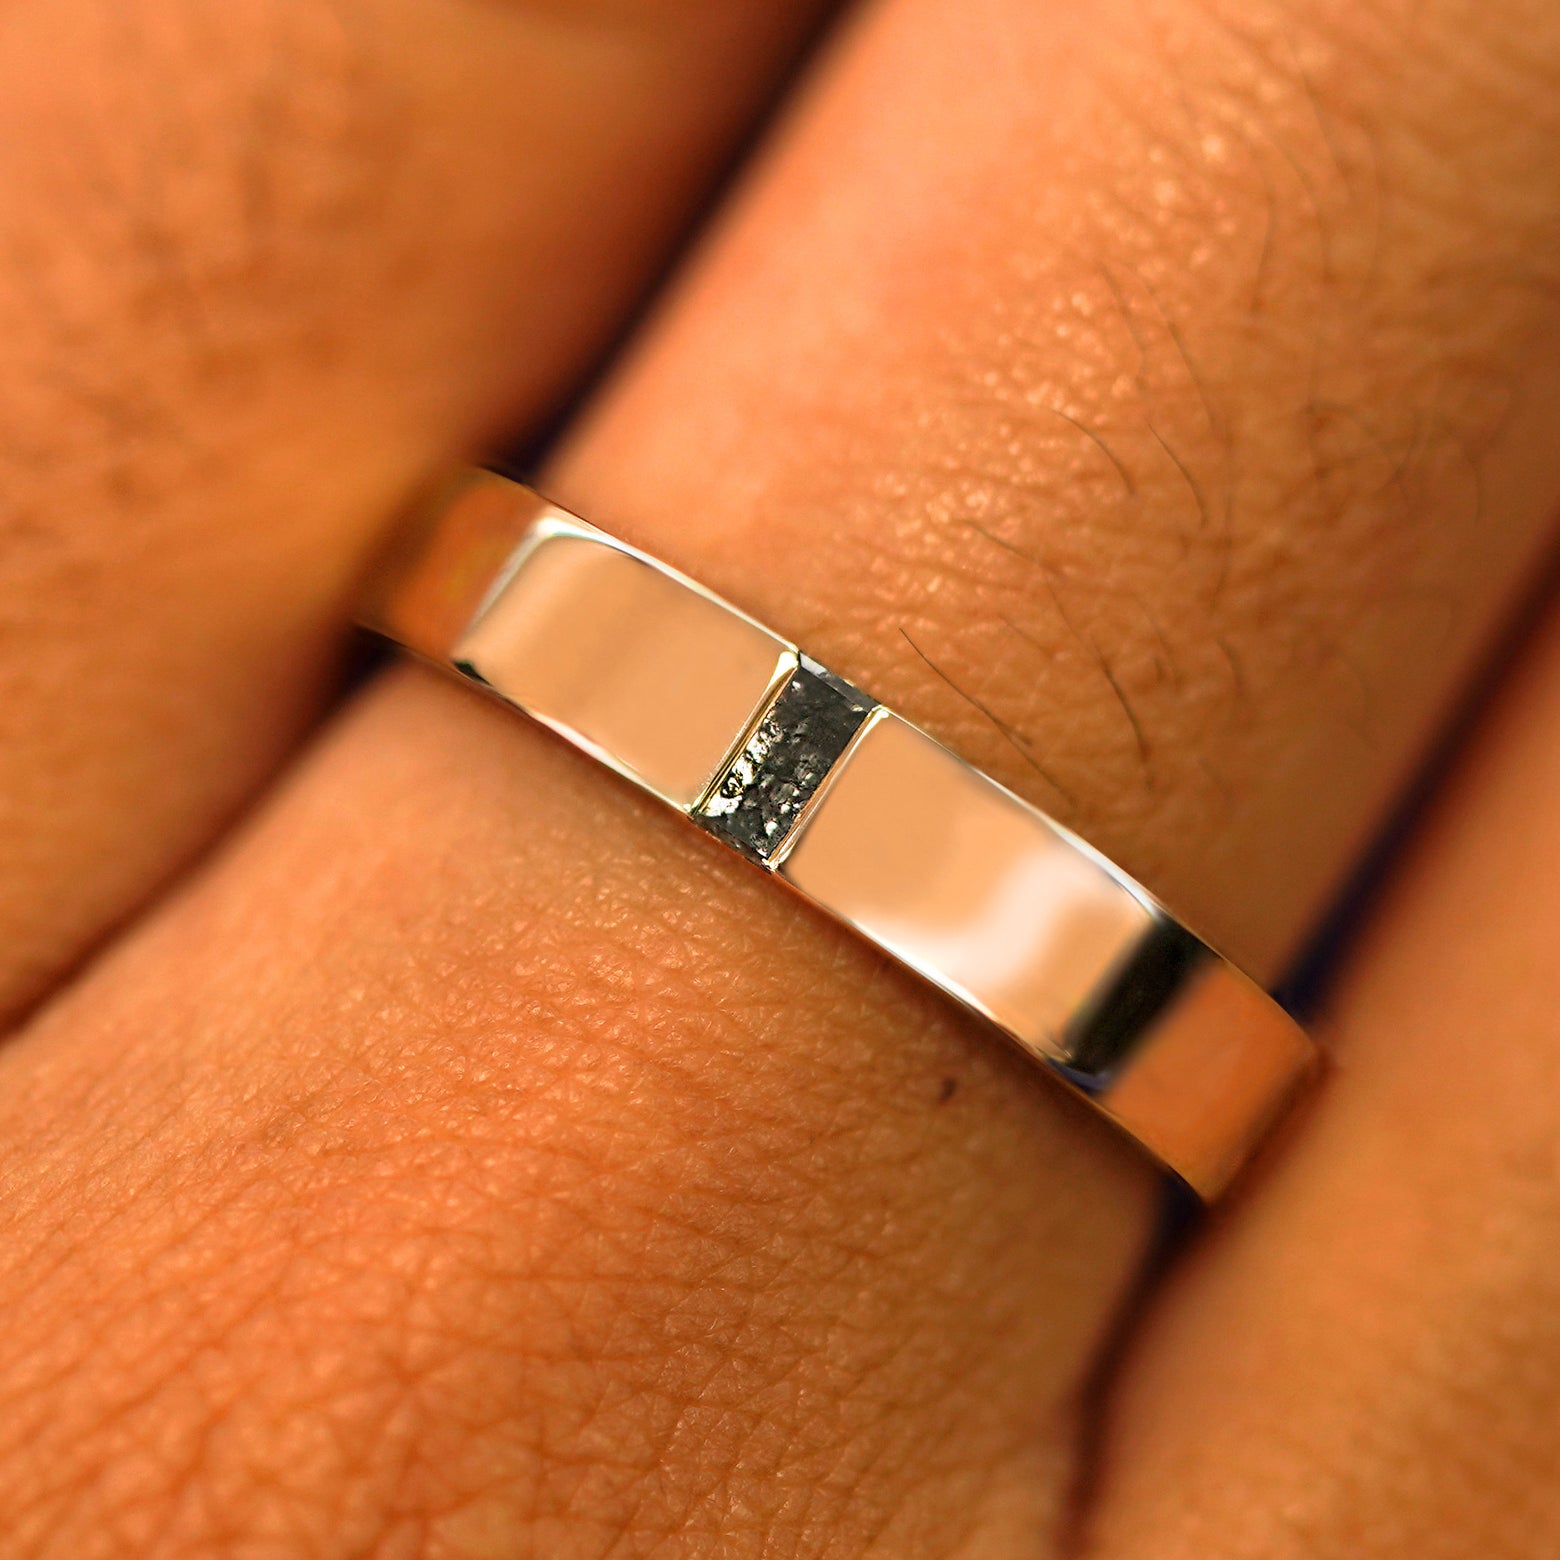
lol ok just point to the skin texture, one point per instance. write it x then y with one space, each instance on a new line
1157 402
1219 617
1410 1233
235 346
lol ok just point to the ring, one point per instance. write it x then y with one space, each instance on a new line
856 809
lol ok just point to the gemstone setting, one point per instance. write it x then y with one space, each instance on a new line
755 802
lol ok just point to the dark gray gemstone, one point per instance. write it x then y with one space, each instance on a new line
791 749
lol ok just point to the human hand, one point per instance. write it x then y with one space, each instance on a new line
1157 401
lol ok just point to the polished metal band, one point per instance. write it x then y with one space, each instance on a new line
858 810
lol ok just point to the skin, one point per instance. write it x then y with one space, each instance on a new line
1436 1155
235 349
463 1157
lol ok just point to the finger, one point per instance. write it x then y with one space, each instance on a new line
1213 434
264 265
1365 1362
585 1195
708 1257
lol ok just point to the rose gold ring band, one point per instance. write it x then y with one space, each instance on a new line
856 809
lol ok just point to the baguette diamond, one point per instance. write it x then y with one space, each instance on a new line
797 740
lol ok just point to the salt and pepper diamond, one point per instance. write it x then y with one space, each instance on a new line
796 742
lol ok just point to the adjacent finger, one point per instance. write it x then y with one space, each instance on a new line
264 266
1365 1362
604 1197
